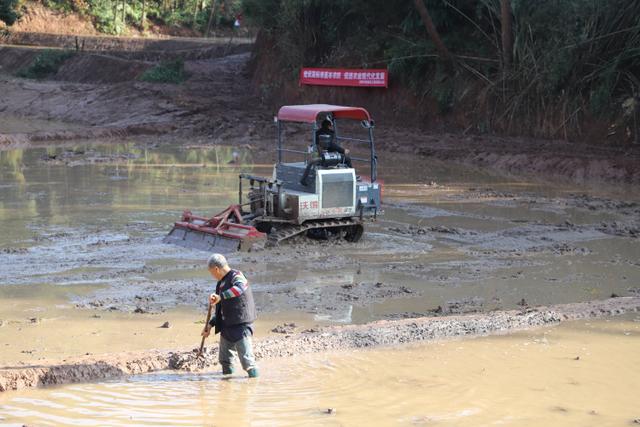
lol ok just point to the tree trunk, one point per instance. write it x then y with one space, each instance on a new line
507 33
124 13
211 14
143 18
115 14
433 33
196 3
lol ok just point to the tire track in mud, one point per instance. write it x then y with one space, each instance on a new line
337 338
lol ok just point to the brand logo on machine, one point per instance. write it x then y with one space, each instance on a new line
308 205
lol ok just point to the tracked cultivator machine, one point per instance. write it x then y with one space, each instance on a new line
333 202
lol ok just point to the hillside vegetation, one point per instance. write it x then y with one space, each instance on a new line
117 17
559 69
556 69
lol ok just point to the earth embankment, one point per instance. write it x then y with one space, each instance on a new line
144 49
82 68
100 94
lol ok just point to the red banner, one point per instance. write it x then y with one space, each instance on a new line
344 77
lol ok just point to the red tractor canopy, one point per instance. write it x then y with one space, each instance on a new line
309 113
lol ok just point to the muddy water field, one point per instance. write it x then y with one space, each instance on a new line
87 221
86 282
576 374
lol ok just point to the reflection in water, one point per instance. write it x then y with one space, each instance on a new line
88 185
573 375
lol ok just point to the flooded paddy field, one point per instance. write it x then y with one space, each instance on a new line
581 373
81 228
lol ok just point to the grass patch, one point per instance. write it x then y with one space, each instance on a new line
45 64
166 72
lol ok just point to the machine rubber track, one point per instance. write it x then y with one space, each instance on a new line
289 230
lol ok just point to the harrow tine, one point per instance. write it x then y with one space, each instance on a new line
192 239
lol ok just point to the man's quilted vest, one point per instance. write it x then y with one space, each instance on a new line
236 310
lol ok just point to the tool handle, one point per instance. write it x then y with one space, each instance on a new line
205 325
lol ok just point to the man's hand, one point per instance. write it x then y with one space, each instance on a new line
206 331
214 299
346 151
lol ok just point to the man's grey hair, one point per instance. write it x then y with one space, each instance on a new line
217 260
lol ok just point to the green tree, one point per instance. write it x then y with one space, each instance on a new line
543 67
8 12
433 32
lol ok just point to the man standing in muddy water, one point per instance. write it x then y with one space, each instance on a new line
234 316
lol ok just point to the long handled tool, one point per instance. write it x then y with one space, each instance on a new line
205 325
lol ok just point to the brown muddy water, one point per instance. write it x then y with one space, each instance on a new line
81 227
575 374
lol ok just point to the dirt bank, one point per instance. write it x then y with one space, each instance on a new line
545 159
37 17
382 333
96 108
220 103
79 68
209 103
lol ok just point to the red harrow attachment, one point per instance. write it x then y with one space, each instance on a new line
224 232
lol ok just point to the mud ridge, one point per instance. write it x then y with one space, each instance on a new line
19 140
132 47
380 333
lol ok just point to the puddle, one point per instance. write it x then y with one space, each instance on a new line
575 374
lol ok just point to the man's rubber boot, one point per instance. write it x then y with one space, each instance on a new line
227 371
253 373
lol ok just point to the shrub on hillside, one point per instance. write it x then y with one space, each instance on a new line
8 11
166 72
46 64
